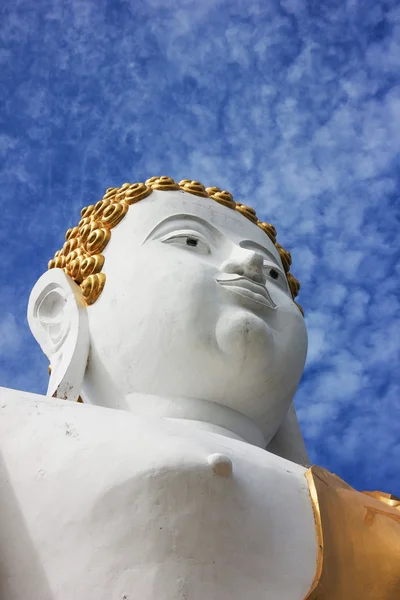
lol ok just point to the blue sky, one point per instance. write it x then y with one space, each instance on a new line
292 105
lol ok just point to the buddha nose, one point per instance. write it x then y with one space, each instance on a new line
245 263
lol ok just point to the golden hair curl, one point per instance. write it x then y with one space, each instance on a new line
81 255
269 230
162 183
222 197
136 192
92 287
193 187
247 212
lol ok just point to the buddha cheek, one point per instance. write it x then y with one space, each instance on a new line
183 302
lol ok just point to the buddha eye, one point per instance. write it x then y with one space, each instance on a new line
277 275
274 273
189 240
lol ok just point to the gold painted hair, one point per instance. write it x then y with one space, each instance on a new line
81 256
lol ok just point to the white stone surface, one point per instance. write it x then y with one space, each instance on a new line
164 491
102 504
195 329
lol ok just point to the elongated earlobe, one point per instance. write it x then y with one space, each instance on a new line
58 320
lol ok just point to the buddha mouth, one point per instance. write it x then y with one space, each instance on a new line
246 288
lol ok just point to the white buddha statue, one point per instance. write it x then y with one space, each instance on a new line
183 474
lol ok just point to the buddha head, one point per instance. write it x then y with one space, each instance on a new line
173 291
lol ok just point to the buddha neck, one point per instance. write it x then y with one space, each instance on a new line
200 414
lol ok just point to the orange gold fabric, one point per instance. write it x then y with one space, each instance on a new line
359 541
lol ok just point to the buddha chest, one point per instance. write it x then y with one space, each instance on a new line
101 504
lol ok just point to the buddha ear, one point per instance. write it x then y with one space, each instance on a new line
58 320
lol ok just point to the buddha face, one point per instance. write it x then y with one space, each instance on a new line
196 305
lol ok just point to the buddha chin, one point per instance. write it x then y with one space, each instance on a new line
259 361
245 339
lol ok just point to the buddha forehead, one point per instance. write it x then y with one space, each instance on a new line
162 210
152 204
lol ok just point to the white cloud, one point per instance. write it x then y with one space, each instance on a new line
10 336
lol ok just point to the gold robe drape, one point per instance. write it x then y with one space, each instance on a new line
359 541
